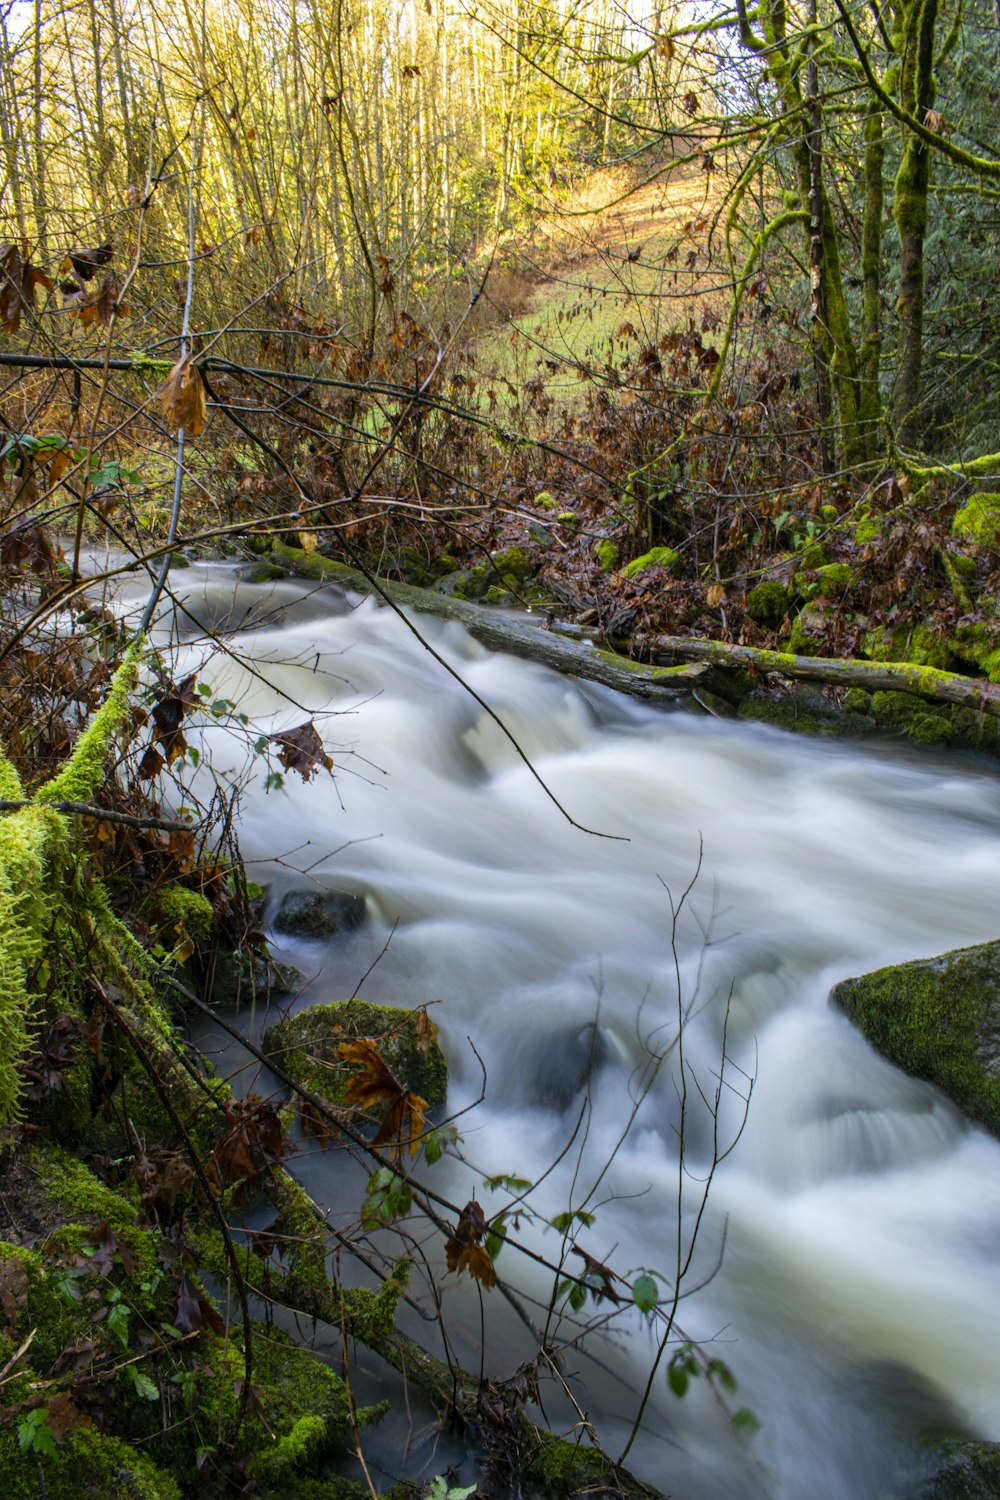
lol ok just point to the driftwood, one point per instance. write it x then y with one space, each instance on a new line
873 676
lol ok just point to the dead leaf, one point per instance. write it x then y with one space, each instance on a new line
665 47
182 396
465 1251
301 750
84 263
426 1029
64 1414
376 1086
691 102
716 595
18 280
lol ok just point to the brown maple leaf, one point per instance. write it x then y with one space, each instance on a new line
376 1086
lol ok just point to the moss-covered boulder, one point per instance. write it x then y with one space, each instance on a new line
832 581
307 1046
937 1019
767 603
960 1471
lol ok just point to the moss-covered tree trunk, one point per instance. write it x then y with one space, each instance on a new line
871 273
910 212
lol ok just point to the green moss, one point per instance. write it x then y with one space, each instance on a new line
938 1020
813 555
919 721
568 518
960 1470
514 563
90 1465
979 520
867 529
75 1189
829 513
767 604
187 910
832 580
296 1450
307 1046
567 1469
607 555
979 643
809 631
545 499
919 644
657 557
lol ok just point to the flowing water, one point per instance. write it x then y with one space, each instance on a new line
849 1245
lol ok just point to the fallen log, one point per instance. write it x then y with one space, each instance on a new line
500 631
874 676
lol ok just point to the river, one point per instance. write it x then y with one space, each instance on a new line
849 1242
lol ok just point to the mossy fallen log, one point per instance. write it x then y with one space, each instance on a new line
506 632
873 676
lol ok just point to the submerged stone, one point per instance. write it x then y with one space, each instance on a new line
937 1019
319 914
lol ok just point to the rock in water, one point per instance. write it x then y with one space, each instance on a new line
937 1019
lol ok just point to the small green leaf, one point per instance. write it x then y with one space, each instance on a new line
142 1385
744 1421
644 1293
720 1371
504 1180
494 1236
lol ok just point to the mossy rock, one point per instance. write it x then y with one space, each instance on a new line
89 1465
813 555
185 911
658 557
803 710
960 1470
832 581
919 644
262 572
319 914
809 630
979 643
767 603
937 1019
924 723
232 978
979 520
509 570
307 1046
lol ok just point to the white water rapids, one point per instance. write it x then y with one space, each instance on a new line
858 1219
